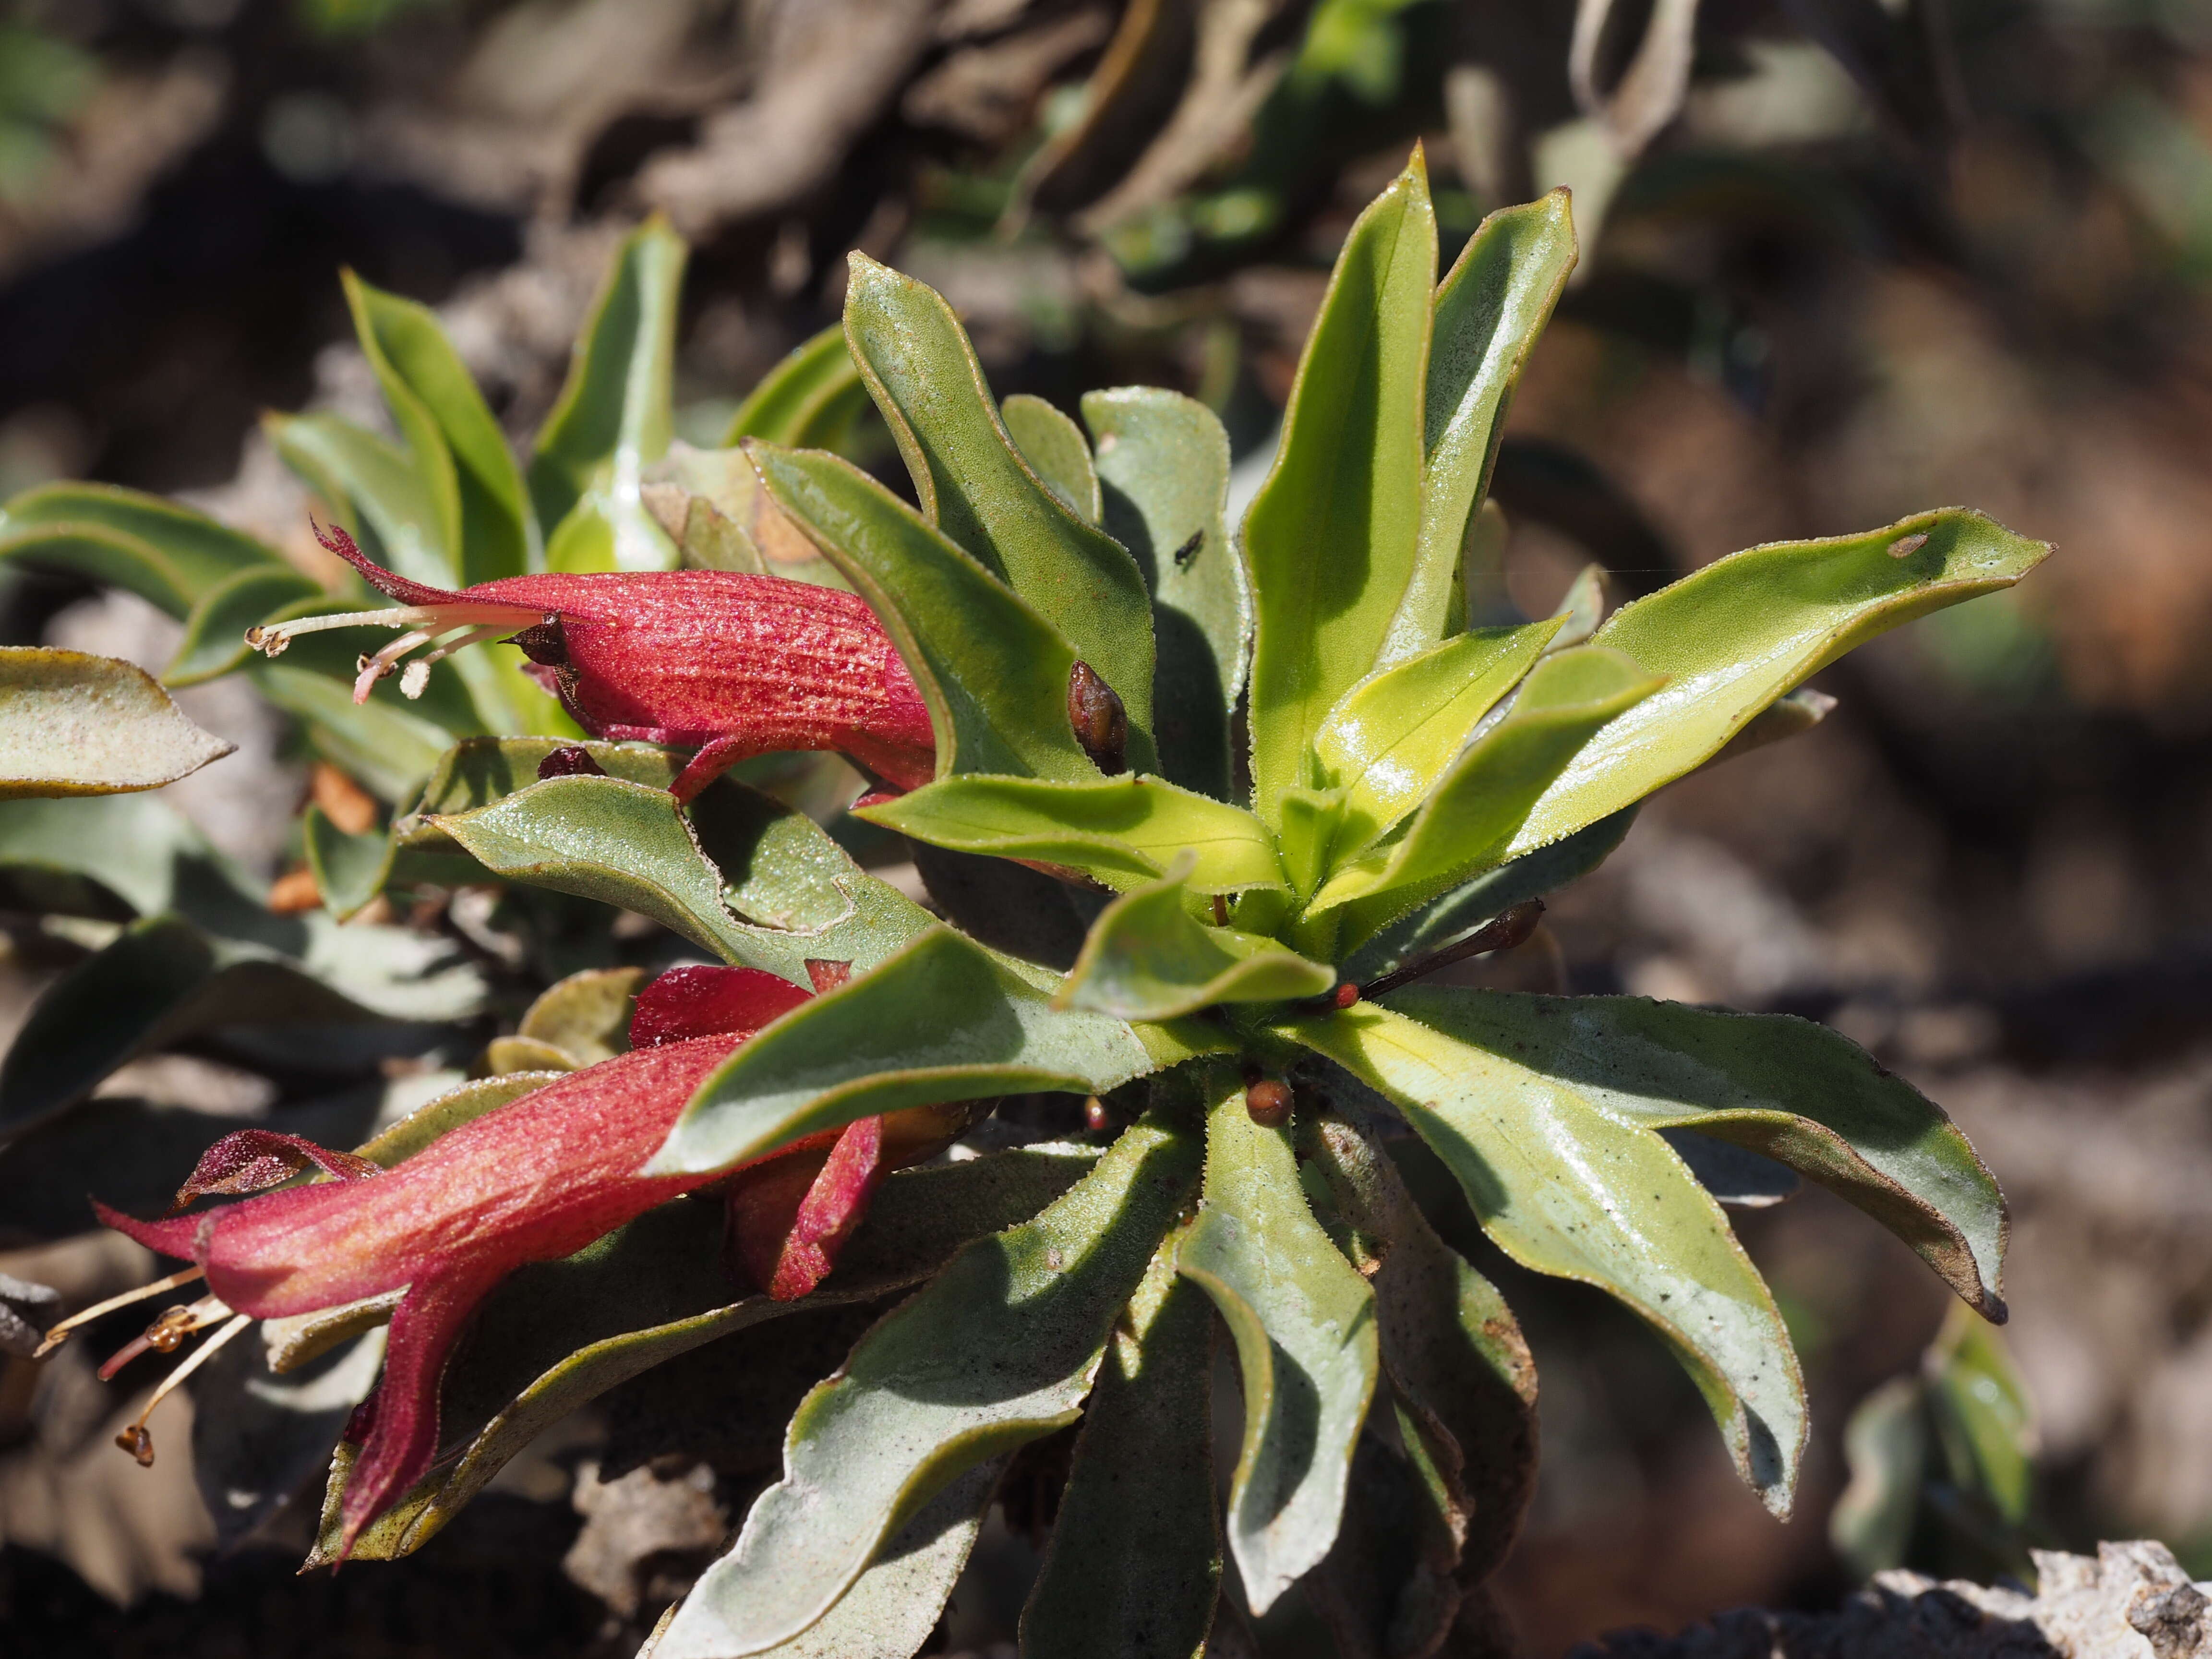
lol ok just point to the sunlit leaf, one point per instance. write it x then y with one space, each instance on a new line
1784 1087
1398 731
1331 538
994 672
1001 1348
1162 463
1744 630
1490 308
808 401
461 456
73 724
974 486
1053 444
1566 1188
942 1020
1303 1322
1126 831
1146 959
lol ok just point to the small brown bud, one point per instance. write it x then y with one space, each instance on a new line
571 760
1345 994
138 1443
1096 1117
1101 723
1268 1102
1906 546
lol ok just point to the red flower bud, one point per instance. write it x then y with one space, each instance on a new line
733 665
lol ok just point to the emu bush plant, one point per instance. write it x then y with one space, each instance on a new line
1201 813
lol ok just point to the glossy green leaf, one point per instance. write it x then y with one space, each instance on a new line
1001 1348
1303 1323
374 487
1398 731
1982 1414
1053 444
808 401
74 724
1134 1568
1739 633
215 633
942 1020
1782 1086
1163 464
1459 1370
1468 907
993 672
615 411
1581 608
1474 815
459 453
1490 308
1331 538
1126 831
386 748
167 554
1566 1189
558 1335
1306 822
974 486
1146 959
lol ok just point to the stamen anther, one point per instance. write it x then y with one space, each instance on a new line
59 1333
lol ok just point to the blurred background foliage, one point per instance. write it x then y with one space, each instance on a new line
1841 259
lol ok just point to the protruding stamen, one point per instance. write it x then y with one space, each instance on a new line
417 675
136 1439
59 1333
434 619
167 1333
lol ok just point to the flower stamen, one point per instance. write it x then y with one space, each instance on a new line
136 1439
59 1333
167 1334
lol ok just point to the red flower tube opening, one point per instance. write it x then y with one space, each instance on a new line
733 665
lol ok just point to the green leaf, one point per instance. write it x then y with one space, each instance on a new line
586 1016
1126 831
166 554
993 672
808 401
375 488
942 1020
1162 463
1782 1086
615 412
478 771
1886 1446
137 847
714 504
1146 959
387 749
349 870
1739 633
891 1609
215 633
1474 816
974 486
1565 1190
1397 732
1490 308
1468 907
1305 828
461 456
1459 1370
1053 444
1386 1585
1331 537
1001 1348
1982 1417
1303 1322
1581 608
558 1335
1134 1564
73 724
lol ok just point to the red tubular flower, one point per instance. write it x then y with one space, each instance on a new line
533 1181
734 665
